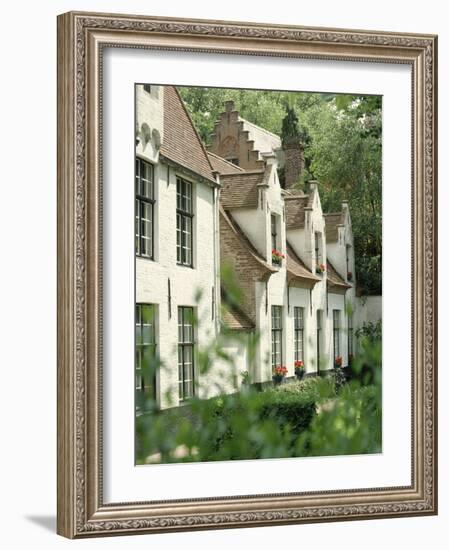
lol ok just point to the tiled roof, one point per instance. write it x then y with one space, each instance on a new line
235 319
335 280
296 269
230 226
332 222
239 190
223 166
294 210
181 143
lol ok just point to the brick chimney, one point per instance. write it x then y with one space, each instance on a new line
293 162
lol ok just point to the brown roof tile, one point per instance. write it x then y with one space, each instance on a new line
297 271
294 210
333 220
239 190
181 143
335 280
223 166
235 319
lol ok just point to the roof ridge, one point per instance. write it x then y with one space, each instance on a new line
244 172
226 161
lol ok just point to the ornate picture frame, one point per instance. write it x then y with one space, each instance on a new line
82 38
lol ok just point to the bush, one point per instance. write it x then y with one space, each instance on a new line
315 387
353 425
295 409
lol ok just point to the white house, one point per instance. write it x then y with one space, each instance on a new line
298 305
197 210
176 245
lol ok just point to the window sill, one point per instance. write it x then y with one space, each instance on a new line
145 257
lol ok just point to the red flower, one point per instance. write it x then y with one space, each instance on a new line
338 361
299 364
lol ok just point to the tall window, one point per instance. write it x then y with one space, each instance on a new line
144 208
336 330
274 236
319 331
318 255
276 336
186 349
184 217
145 349
299 333
350 336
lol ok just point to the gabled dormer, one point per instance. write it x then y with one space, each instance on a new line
340 242
254 198
306 229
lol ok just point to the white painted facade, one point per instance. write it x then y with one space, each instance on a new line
167 285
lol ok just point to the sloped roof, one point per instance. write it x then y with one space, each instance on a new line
223 166
234 318
181 143
333 220
230 226
297 271
294 210
239 190
335 280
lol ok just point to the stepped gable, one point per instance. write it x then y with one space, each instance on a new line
232 141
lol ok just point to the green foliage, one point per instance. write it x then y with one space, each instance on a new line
370 331
351 424
315 388
311 417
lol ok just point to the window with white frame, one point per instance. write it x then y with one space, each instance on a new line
298 313
276 336
184 222
144 206
145 366
186 351
274 234
336 314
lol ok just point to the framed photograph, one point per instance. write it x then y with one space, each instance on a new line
247 313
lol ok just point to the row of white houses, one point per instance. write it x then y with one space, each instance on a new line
199 210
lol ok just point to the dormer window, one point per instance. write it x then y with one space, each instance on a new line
319 265
274 235
276 254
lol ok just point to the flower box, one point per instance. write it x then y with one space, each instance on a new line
277 257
